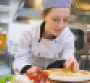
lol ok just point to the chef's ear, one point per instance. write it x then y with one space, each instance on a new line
43 16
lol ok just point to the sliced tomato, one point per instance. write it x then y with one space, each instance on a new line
28 76
44 81
31 76
38 78
45 74
39 70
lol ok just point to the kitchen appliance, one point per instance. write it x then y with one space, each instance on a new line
80 33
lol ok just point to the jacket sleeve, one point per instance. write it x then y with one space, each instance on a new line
68 48
24 53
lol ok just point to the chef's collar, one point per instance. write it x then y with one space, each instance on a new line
42 29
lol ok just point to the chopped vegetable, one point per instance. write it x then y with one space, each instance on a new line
45 74
67 68
31 76
44 80
39 70
6 79
38 78
39 75
86 70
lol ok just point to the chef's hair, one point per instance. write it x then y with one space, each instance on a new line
45 12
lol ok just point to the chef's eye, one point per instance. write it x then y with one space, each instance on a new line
65 20
55 20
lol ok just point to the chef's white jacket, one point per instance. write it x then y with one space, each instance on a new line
35 53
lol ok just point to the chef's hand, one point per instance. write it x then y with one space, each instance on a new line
31 70
72 61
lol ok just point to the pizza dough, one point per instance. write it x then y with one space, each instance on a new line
68 75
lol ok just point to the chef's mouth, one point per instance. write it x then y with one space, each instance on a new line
58 30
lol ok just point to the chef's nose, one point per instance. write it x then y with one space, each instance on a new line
60 25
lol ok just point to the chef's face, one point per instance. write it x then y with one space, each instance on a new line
56 20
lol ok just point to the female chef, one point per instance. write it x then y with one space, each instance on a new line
48 43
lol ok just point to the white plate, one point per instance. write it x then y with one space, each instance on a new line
70 79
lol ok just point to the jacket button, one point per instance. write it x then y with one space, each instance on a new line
55 41
39 54
39 40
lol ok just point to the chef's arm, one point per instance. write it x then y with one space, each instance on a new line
68 50
23 58
66 53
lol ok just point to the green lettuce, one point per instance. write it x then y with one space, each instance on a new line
86 70
7 78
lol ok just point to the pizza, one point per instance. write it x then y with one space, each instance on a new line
68 74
